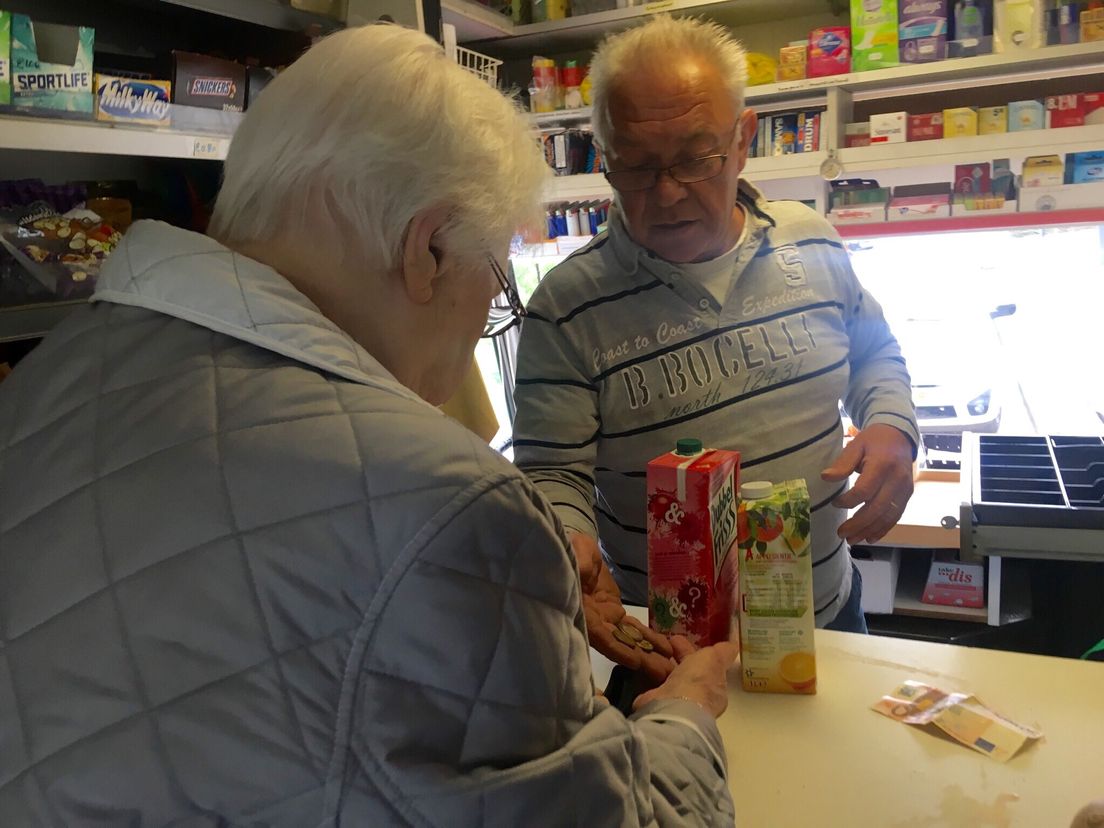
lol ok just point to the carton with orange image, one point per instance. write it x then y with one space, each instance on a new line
776 588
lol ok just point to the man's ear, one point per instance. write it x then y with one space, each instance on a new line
747 127
421 257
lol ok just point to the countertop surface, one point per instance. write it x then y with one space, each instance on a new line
829 760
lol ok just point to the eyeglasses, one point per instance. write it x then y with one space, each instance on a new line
512 298
684 172
501 319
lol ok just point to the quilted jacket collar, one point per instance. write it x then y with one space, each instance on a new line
192 277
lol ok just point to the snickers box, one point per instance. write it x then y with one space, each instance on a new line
208 82
51 67
133 101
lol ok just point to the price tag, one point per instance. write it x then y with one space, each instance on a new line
658 6
207 148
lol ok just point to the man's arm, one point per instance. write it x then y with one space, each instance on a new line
880 390
476 704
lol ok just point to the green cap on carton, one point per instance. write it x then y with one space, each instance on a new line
688 447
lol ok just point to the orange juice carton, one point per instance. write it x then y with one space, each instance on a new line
693 568
776 588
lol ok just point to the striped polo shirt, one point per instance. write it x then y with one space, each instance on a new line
622 354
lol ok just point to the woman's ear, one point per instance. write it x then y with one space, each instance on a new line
421 257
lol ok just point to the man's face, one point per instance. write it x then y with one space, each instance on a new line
665 115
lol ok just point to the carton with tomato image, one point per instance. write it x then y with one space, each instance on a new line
776 588
692 562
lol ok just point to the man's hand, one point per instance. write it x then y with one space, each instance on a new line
882 455
699 677
603 610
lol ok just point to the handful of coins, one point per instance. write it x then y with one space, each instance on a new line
631 636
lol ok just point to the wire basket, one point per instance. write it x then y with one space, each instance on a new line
478 64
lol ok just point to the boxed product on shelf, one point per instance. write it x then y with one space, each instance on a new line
1092 25
1024 116
880 569
987 204
925 127
857 201
51 66
972 179
919 201
874 34
1062 197
1063 25
133 101
1017 25
1084 167
808 131
1074 110
1043 171
857 135
953 583
888 128
992 120
544 91
1003 182
829 52
922 30
792 60
783 134
972 22
5 57
959 122
208 82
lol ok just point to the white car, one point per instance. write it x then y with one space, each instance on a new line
956 379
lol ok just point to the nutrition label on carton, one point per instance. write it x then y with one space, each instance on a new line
776 588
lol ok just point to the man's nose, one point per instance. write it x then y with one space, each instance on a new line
667 191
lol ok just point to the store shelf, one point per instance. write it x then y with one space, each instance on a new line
33 321
1004 221
797 165
949 151
1046 62
56 135
270 13
471 21
562 117
577 188
474 21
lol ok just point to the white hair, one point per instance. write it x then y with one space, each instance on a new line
379 125
656 41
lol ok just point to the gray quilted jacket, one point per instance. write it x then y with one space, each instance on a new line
247 578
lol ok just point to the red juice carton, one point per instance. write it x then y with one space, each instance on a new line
693 568
777 617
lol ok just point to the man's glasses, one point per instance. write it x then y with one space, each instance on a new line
684 172
501 319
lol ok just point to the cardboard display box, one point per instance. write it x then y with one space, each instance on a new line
208 82
51 66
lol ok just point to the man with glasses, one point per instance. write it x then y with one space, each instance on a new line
705 311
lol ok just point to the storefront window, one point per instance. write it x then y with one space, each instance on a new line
1001 329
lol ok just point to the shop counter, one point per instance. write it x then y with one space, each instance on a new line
829 760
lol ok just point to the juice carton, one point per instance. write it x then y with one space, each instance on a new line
776 588
874 34
693 568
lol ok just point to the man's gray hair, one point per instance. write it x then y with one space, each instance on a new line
656 41
378 124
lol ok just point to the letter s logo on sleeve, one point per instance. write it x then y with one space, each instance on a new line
793 269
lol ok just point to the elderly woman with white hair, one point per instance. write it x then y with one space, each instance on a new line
249 574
